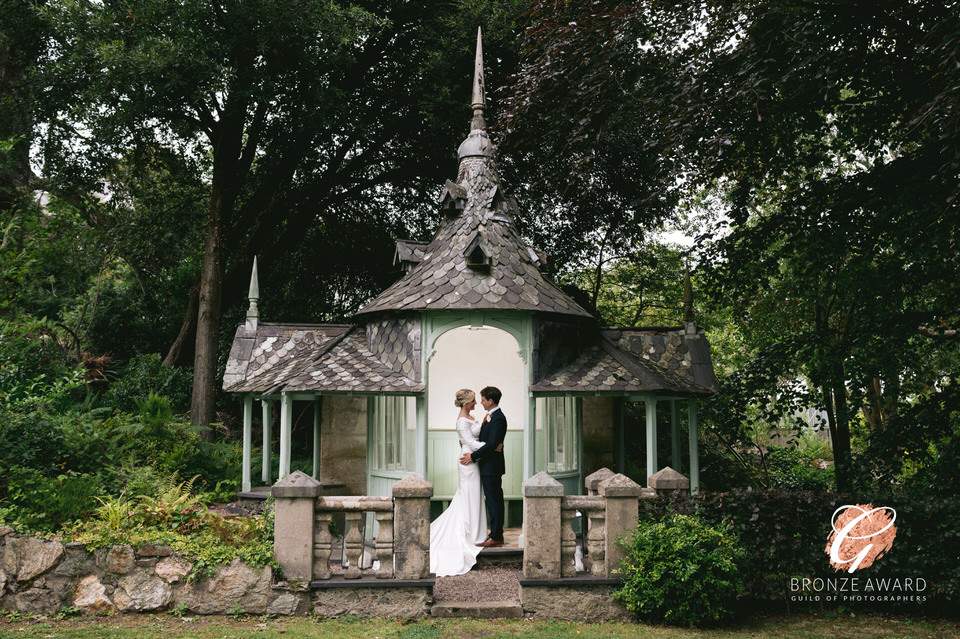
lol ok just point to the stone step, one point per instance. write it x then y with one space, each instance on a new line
478 609
501 557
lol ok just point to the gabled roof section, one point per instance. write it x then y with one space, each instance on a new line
476 207
263 356
622 361
276 358
350 367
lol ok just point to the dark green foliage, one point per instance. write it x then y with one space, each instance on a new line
145 375
793 469
784 535
34 369
37 502
681 571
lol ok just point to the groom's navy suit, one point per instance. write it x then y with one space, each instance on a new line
491 465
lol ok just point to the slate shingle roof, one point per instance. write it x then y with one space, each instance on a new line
349 366
609 367
478 213
323 358
263 357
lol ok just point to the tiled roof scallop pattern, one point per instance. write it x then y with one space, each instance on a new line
635 362
443 280
396 343
263 357
350 366
558 343
678 352
592 370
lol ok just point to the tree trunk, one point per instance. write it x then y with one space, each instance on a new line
179 355
842 462
203 403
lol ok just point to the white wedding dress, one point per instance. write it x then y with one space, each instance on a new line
454 535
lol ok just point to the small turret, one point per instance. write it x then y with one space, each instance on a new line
689 321
253 313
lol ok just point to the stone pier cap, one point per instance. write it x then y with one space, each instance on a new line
542 485
297 484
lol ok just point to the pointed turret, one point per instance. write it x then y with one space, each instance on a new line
477 259
478 143
253 313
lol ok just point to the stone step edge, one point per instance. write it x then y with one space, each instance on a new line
478 609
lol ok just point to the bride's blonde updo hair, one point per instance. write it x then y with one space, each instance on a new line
464 395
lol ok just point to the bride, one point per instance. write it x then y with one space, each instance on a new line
454 534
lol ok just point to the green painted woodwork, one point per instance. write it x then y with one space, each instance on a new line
443 451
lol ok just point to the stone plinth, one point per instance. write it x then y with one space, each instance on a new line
295 497
620 494
411 527
667 480
541 515
592 481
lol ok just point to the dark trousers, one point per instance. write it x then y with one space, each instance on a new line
493 496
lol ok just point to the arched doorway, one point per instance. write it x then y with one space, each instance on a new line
473 357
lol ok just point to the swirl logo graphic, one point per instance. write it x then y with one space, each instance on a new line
861 534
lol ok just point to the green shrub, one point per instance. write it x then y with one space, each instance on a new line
37 503
145 375
795 469
681 571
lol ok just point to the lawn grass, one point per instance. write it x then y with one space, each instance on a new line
147 626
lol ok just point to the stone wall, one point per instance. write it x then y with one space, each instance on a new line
599 433
343 442
41 577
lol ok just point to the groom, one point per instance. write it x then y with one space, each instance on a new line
490 462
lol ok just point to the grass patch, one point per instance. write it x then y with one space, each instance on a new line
145 626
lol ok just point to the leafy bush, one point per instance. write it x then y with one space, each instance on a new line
34 369
145 375
681 571
795 469
784 535
39 503
178 520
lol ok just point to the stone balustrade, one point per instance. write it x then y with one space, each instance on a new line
304 543
607 512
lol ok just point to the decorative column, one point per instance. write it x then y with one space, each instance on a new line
620 494
651 405
542 528
286 425
293 532
694 452
267 475
411 517
247 441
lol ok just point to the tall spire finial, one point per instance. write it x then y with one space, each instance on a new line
479 88
253 313
478 142
688 317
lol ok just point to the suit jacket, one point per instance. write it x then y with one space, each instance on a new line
492 432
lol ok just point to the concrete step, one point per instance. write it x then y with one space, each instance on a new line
478 609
